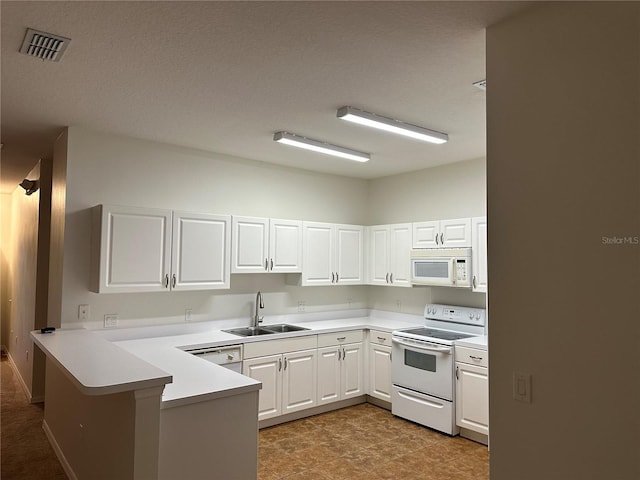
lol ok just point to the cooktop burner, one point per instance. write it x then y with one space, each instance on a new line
440 334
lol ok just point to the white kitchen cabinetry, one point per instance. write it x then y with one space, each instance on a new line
479 258
288 378
380 365
472 389
454 233
340 366
332 254
389 255
151 250
263 245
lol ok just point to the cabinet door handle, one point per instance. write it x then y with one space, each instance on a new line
166 280
442 239
173 281
386 278
437 239
285 363
337 277
391 278
338 354
474 282
271 268
279 364
344 354
266 264
333 277
457 373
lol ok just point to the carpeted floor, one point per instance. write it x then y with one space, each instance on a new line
25 452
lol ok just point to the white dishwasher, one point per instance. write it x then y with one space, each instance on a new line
229 356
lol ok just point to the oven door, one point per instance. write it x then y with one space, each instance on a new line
433 271
423 366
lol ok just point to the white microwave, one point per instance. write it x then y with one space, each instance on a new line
444 267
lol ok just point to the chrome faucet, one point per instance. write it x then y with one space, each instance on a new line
257 319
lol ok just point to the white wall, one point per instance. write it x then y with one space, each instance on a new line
114 169
563 171
5 237
449 191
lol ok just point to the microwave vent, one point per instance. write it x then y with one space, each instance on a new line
43 45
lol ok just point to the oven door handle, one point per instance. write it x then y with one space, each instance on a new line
446 350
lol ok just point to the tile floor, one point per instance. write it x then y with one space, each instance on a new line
366 442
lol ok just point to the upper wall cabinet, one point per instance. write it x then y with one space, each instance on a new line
479 236
332 254
151 250
389 255
442 234
263 245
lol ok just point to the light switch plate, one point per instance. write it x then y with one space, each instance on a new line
522 387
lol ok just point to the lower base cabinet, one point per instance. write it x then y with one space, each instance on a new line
380 371
340 366
288 382
472 390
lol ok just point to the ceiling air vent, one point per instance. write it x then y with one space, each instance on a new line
482 84
44 45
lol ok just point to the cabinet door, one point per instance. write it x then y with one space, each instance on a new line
426 234
352 370
200 251
328 374
455 233
299 376
285 245
380 371
317 251
349 247
250 245
267 370
479 248
472 397
379 255
400 255
134 249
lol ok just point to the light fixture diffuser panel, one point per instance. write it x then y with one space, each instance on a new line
321 147
399 127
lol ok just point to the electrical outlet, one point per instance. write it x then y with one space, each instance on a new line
187 315
83 313
111 320
301 306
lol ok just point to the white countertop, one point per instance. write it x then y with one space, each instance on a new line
481 343
98 366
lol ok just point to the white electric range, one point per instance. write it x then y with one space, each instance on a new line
423 363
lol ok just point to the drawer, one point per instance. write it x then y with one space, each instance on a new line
377 336
338 338
472 356
275 347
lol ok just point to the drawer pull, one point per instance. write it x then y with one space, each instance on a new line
382 339
341 338
475 358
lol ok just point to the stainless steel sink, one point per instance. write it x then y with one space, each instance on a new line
283 328
265 330
249 331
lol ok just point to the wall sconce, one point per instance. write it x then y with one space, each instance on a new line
30 186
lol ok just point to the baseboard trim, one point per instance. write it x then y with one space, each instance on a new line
58 451
379 403
475 436
21 381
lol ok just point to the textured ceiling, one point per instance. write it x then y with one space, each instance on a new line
224 76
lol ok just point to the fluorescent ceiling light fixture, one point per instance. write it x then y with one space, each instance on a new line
391 125
321 147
